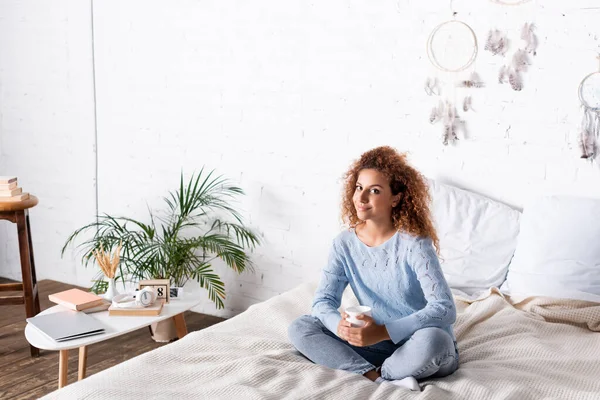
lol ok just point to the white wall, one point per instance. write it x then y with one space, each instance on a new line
280 97
47 127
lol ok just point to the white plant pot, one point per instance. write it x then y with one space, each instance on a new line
164 331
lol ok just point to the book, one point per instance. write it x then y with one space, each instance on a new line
5 180
76 299
66 325
11 192
149 311
17 198
8 186
102 307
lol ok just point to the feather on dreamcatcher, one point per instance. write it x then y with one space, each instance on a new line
512 74
588 133
520 61
437 113
529 37
467 104
515 80
497 42
451 122
474 81
432 87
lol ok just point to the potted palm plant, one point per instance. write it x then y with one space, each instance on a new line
179 243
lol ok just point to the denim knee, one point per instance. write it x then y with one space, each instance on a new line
301 328
439 342
438 353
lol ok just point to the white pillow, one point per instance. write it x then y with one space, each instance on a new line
478 237
558 250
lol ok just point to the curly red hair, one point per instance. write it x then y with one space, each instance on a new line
412 214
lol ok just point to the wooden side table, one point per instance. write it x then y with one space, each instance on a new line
18 213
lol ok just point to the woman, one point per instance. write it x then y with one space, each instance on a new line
389 260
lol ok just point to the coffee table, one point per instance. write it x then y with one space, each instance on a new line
114 326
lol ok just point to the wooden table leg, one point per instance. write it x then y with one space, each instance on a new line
26 271
36 297
180 325
82 362
63 362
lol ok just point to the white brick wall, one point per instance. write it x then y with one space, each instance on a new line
280 97
47 127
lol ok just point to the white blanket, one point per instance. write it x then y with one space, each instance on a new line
539 348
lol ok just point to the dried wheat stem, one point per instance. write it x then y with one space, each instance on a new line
108 262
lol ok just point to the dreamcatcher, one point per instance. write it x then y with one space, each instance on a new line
452 50
589 96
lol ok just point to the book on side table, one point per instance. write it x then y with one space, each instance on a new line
102 307
76 299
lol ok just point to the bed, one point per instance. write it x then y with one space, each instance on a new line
515 341
539 348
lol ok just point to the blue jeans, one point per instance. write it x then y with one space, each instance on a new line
429 352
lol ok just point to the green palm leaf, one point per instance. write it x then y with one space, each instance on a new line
180 244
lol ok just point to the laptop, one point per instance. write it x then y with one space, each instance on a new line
67 325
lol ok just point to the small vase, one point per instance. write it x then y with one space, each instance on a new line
111 291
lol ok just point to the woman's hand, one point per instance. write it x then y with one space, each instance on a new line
343 325
366 335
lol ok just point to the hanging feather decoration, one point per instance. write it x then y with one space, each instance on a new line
531 41
520 61
449 134
473 82
587 145
449 124
428 87
467 104
446 112
502 74
496 43
433 116
436 113
514 78
432 87
588 137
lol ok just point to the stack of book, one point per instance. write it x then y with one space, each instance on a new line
78 300
10 190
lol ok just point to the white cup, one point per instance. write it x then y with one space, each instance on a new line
354 312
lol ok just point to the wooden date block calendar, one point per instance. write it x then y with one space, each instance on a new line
161 286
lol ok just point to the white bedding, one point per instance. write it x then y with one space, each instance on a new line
540 348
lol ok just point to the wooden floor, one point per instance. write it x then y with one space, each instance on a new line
24 377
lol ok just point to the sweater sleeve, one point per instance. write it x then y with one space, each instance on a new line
440 310
328 296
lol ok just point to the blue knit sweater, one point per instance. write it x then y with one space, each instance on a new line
401 280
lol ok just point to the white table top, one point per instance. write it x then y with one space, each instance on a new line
114 325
